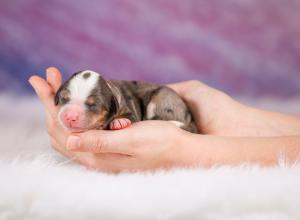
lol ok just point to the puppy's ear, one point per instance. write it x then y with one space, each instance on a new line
114 105
116 97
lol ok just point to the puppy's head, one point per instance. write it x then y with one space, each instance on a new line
86 101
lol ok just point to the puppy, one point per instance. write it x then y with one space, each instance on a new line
88 101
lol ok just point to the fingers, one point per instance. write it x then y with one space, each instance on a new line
116 163
190 86
56 131
44 92
178 87
183 87
109 162
99 141
54 78
60 149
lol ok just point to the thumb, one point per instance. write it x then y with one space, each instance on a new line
183 87
98 141
177 87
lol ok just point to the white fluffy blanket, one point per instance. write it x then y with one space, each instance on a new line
37 183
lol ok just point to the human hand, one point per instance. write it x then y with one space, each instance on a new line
151 145
214 112
145 145
45 89
139 147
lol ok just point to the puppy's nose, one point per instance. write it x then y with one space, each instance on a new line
71 119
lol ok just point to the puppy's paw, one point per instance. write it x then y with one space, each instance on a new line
119 123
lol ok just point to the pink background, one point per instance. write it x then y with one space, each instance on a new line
247 48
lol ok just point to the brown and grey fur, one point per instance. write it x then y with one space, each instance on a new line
135 100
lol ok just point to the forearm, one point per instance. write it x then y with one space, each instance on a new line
249 121
277 124
207 151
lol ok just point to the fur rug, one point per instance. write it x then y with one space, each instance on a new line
37 183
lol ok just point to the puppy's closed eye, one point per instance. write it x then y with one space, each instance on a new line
93 104
91 100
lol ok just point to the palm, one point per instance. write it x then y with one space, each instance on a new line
214 112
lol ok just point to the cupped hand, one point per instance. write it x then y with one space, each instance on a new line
214 112
145 145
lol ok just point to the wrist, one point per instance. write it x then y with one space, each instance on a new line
191 150
222 115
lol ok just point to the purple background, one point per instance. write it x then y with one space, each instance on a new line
249 48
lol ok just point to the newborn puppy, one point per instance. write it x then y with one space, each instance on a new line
88 101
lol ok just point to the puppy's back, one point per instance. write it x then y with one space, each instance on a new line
155 102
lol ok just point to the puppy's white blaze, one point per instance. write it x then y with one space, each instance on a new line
150 110
81 87
177 123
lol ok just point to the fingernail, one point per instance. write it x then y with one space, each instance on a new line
73 143
48 70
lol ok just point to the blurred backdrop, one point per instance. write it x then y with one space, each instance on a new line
248 48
